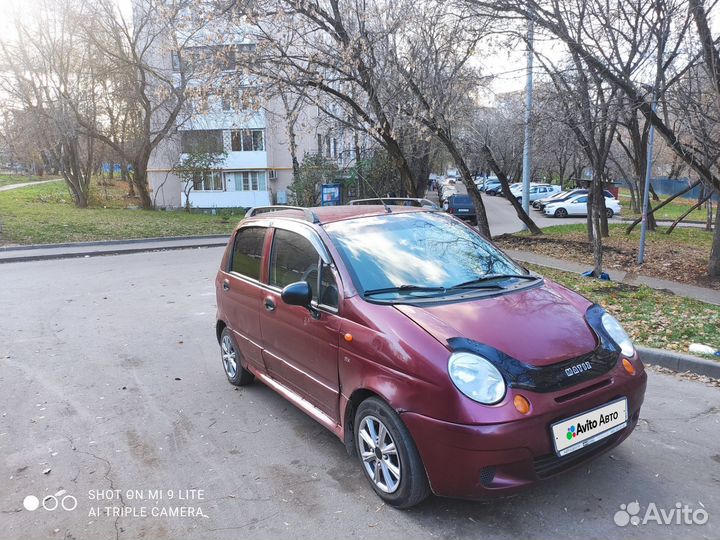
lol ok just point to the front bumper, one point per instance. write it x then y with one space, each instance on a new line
490 460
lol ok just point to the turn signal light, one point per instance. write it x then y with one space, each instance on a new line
521 404
628 366
348 337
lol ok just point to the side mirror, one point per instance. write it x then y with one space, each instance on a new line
299 294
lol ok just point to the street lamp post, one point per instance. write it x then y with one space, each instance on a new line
528 117
646 187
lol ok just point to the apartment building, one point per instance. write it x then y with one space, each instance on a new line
257 169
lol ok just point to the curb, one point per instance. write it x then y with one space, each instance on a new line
4 249
680 362
30 257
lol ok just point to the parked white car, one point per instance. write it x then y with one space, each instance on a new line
577 206
446 191
539 191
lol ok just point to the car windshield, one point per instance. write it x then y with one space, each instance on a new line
461 199
416 255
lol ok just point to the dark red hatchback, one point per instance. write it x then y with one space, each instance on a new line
440 362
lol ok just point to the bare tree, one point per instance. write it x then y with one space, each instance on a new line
48 75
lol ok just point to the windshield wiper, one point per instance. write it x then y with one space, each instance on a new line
479 282
404 288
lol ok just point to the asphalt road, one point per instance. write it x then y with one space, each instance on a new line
503 219
110 379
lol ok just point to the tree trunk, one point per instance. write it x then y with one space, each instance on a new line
659 206
474 192
686 214
141 184
597 244
714 266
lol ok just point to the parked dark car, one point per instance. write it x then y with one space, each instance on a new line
443 365
493 188
461 206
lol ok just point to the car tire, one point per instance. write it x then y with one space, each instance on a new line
232 360
609 212
410 485
560 213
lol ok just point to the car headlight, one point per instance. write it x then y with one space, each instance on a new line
476 377
618 335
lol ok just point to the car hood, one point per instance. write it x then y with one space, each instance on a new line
537 325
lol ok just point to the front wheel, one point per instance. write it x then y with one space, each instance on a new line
609 212
388 455
231 359
561 213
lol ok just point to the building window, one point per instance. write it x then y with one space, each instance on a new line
207 140
227 59
247 140
250 181
175 56
207 181
246 47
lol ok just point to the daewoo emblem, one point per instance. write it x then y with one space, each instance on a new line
578 368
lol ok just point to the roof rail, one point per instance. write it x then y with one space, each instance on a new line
307 212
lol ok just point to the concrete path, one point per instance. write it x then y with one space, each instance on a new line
27 184
710 296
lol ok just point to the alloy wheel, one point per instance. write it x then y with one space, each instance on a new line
229 356
379 454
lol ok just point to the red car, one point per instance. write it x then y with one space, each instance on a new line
441 363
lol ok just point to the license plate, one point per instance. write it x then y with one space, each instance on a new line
584 429
463 209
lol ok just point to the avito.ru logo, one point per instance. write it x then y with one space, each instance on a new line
680 514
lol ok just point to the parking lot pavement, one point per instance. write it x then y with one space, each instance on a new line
504 220
111 389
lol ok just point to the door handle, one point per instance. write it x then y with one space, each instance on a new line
269 304
226 285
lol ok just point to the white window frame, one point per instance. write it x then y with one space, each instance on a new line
251 180
209 180
241 134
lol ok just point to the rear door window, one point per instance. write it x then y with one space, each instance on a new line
247 252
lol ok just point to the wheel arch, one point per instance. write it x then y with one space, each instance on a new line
219 327
356 398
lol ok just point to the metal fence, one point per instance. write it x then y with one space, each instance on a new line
670 186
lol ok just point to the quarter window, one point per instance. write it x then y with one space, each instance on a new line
247 251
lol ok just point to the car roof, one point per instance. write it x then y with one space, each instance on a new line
327 214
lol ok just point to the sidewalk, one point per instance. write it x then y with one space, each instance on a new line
28 184
41 252
709 296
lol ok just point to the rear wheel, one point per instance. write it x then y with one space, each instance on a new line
232 361
388 455
609 212
561 213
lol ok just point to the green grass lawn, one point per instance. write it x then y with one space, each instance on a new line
670 211
689 236
45 214
652 318
8 179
